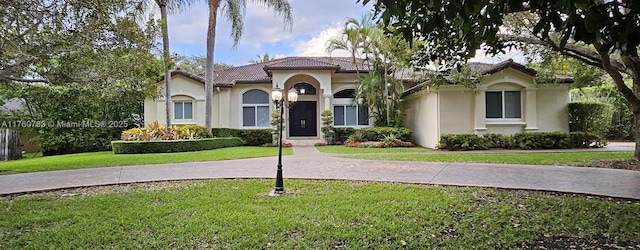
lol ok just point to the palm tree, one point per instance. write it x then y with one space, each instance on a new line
171 5
234 12
261 58
366 41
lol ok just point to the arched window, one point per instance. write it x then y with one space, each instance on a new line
346 93
255 108
305 89
346 112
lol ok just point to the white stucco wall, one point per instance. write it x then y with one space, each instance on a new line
456 110
421 115
553 108
182 88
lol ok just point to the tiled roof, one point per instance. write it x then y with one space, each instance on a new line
184 73
260 72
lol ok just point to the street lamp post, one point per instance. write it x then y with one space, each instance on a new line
278 99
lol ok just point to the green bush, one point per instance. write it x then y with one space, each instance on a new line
529 140
590 117
252 137
542 140
463 142
343 133
500 141
168 146
195 131
225 132
379 133
586 140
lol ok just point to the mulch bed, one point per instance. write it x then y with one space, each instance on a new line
631 164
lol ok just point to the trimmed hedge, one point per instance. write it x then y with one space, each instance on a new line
463 142
590 117
379 133
168 146
343 133
252 137
528 140
543 140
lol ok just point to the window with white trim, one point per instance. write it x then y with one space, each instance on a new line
347 113
503 105
255 109
182 110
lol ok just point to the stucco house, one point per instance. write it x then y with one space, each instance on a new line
507 101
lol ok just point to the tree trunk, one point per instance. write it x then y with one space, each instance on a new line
167 63
630 95
211 43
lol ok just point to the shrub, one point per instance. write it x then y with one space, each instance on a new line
500 141
378 144
167 146
586 140
327 128
379 133
528 140
225 132
193 131
463 142
542 140
252 137
153 131
590 117
256 137
343 133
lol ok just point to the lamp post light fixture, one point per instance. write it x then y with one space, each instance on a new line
278 99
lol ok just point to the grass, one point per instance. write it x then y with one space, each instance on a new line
108 159
339 149
551 158
238 214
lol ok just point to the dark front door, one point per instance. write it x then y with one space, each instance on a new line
303 119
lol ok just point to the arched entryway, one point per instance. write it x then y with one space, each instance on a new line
303 116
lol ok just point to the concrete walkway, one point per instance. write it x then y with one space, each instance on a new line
308 163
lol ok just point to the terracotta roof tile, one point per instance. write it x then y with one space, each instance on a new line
259 72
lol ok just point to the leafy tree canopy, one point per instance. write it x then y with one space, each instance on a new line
603 34
196 64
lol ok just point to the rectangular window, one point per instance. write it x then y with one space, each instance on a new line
503 104
255 116
347 115
183 110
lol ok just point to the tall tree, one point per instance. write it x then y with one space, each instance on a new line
261 58
77 61
234 11
378 54
166 6
603 34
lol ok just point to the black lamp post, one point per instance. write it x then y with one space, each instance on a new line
278 99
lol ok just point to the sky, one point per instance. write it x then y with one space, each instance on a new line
314 23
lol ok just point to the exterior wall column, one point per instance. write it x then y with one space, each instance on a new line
327 102
530 109
479 126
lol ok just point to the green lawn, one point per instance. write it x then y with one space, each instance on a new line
238 214
339 149
562 158
429 155
108 159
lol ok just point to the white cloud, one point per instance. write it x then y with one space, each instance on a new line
317 45
481 56
261 26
